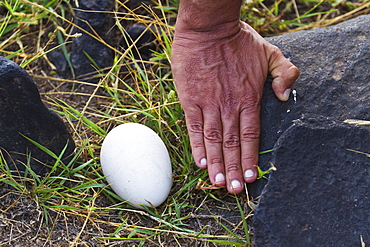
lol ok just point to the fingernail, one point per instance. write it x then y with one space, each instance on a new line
235 184
286 94
203 162
278 80
219 178
248 173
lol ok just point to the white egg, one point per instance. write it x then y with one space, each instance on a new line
136 164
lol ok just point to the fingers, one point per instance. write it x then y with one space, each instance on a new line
216 142
194 122
231 152
213 139
206 141
250 140
227 143
283 72
232 149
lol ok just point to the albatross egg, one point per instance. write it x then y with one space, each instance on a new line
136 164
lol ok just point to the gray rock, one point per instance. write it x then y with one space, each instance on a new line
23 113
334 81
144 41
320 193
94 17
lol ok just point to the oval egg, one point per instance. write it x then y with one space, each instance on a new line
136 164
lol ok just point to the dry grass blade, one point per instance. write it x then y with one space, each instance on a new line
362 10
357 122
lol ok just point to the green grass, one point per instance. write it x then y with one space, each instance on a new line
139 91
273 17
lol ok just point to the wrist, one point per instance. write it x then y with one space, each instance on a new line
208 17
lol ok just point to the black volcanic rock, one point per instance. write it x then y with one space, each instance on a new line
143 39
89 55
23 113
320 193
334 82
95 17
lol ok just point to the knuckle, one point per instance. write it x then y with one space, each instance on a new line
196 127
250 134
213 135
249 158
197 144
230 101
232 167
274 48
252 101
275 51
231 141
216 161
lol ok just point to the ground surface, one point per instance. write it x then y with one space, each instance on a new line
27 218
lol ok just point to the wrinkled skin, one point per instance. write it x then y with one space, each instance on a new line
219 78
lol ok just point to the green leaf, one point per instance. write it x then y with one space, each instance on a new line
245 225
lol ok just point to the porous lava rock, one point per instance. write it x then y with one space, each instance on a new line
143 38
320 193
22 113
93 16
334 80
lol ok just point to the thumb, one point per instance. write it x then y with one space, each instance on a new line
283 72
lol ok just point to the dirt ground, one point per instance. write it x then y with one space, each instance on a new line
23 222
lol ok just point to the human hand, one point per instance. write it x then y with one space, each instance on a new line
219 78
